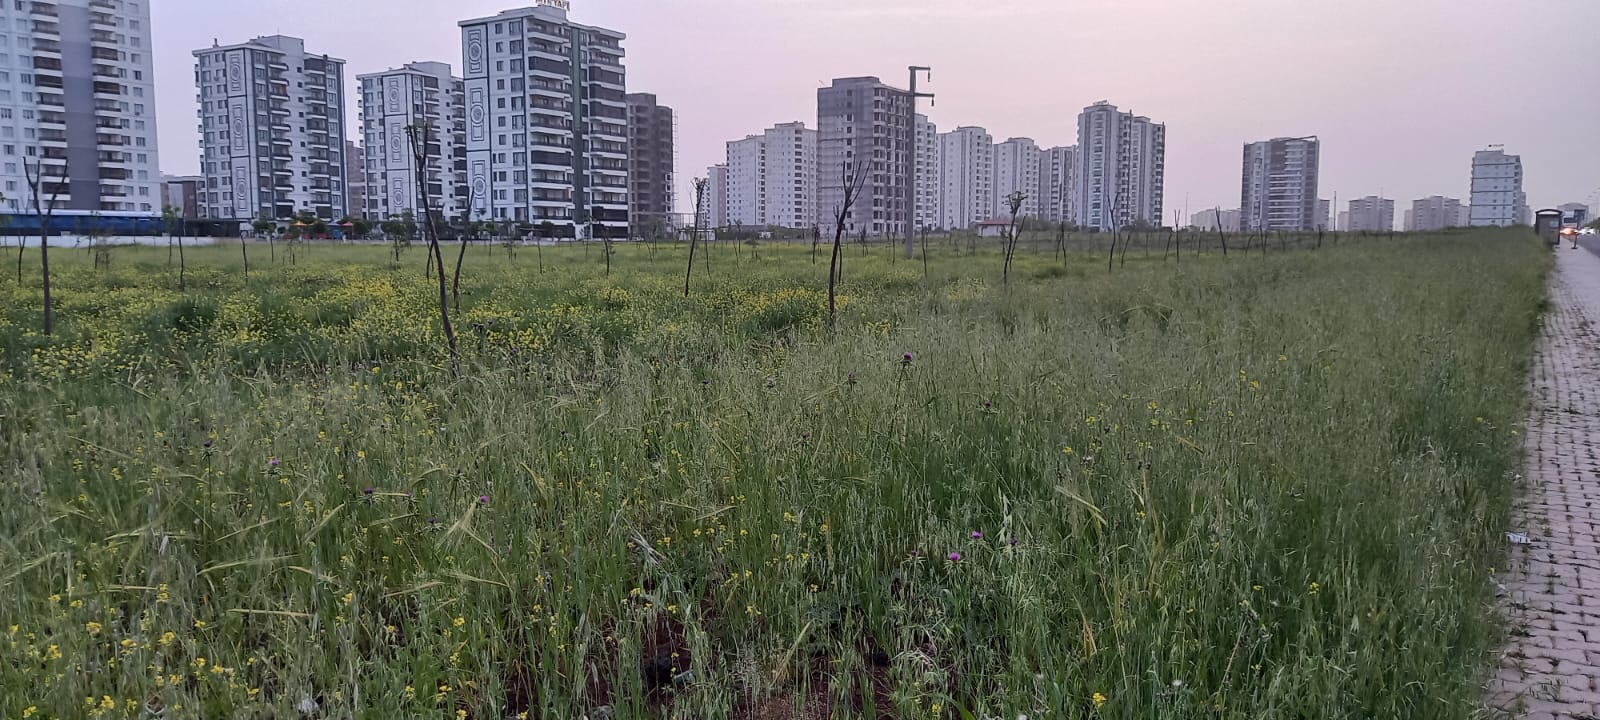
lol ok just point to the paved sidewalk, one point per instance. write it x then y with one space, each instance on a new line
1551 666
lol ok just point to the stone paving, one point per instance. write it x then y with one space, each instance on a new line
1551 665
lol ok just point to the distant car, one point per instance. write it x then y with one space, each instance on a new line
1586 231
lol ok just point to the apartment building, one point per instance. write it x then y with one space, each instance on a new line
772 178
966 178
272 121
716 200
1433 213
78 108
1121 168
1216 219
928 158
182 194
547 117
651 160
1371 214
1058 184
1324 214
864 128
1497 196
425 99
355 177
1278 190
1016 170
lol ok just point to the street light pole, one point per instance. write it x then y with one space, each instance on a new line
911 164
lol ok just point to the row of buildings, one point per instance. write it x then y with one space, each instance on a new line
1279 193
538 128
794 176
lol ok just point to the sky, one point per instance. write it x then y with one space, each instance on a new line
1401 92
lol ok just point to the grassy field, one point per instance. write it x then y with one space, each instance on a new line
1259 486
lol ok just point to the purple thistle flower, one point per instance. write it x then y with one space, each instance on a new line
916 553
955 557
206 444
906 359
369 491
988 404
977 535
805 436
433 521
272 462
1014 541
483 499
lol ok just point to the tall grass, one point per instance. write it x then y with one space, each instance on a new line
1241 488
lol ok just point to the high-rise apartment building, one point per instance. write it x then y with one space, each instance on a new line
78 108
864 128
355 177
424 99
1497 197
966 178
716 200
1371 214
1058 184
1433 213
1121 168
1575 213
651 160
747 186
547 121
272 121
1016 170
772 178
1279 187
1324 214
928 168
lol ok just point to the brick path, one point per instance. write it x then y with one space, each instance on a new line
1551 667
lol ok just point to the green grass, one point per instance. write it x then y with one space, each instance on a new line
1263 486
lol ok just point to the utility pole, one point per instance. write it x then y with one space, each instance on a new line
911 164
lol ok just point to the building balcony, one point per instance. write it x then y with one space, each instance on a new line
105 140
102 39
98 19
107 90
47 49
47 28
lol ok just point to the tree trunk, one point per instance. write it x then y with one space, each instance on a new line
455 280
44 260
183 268
246 253
833 267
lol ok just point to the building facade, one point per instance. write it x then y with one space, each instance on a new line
772 178
1497 196
355 178
1214 220
746 186
864 129
928 168
1058 184
1371 214
651 161
78 112
1575 213
547 122
1016 170
182 194
966 178
1121 168
1433 213
272 120
425 99
716 200
1278 191
1325 214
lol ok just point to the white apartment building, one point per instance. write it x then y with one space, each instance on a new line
772 178
928 164
966 178
272 122
716 200
566 162
1325 214
1016 169
1433 213
414 95
1497 196
1371 214
1058 184
1278 190
747 185
1216 219
1121 168
77 98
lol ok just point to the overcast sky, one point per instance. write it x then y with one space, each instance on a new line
1401 92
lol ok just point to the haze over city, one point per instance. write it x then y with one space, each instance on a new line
1401 93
